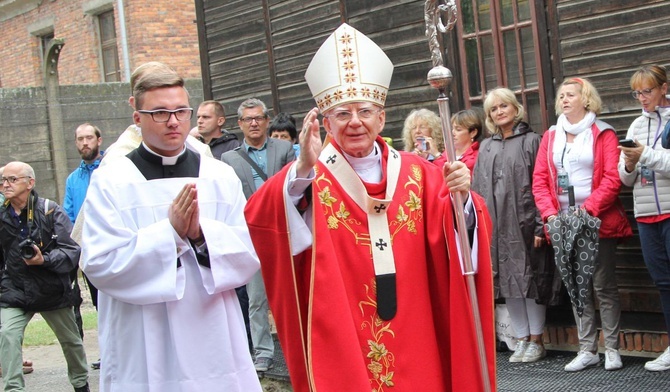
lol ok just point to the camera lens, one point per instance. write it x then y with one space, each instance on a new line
27 250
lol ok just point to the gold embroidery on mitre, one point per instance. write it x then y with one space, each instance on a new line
348 51
381 361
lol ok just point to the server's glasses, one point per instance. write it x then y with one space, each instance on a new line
163 116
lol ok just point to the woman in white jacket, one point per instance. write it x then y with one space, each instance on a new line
646 167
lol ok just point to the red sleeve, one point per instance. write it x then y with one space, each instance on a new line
284 275
543 180
606 188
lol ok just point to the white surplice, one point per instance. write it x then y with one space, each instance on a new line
165 328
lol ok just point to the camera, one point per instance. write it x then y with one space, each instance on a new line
27 250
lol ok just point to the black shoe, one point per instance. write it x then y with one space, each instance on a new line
82 389
95 365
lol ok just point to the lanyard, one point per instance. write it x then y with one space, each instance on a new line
565 146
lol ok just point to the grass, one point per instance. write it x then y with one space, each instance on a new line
38 332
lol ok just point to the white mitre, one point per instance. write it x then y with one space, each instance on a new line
348 67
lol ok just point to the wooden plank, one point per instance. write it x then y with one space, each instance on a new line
603 41
654 54
577 9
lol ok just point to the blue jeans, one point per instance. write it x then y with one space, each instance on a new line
655 241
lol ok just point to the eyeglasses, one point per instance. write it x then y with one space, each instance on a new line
163 116
645 93
346 116
258 119
12 179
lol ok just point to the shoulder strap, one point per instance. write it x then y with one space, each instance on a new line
48 214
253 164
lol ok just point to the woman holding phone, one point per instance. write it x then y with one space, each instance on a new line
646 167
581 151
422 134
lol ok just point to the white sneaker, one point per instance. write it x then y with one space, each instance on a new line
534 353
583 360
612 359
659 364
521 346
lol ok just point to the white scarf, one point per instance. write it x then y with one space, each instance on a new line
563 126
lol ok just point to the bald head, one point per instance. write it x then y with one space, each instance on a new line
18 179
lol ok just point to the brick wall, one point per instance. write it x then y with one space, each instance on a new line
161 30
636 343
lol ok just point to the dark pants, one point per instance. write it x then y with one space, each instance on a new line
655 241
244 304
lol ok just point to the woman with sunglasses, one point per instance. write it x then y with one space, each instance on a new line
646 167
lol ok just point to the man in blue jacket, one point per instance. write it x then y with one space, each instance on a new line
88 140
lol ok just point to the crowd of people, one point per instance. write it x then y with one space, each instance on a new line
188 239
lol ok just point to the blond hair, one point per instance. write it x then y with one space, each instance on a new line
506 96
654 74
151 76
431 119
590 97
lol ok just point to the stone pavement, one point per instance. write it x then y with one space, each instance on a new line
544 376
548 375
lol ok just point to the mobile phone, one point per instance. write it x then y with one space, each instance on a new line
627 143
422 143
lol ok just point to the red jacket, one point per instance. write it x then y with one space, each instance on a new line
604 200
469 157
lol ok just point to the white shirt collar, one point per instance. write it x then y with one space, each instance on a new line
167 161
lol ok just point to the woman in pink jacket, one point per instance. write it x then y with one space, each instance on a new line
581 151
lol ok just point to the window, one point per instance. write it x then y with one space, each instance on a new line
108 51
45 40
500 48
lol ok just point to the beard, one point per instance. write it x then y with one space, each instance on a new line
90 154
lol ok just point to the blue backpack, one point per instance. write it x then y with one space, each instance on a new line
665 137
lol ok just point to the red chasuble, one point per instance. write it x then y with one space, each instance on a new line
324 299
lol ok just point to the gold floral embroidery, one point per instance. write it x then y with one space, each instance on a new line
381 360
410 210
337 213
408 218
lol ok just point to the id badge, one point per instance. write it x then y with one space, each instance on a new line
646 176
563 181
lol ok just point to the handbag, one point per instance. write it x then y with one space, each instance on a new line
665 136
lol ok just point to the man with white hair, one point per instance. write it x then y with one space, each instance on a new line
359 250
39 256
